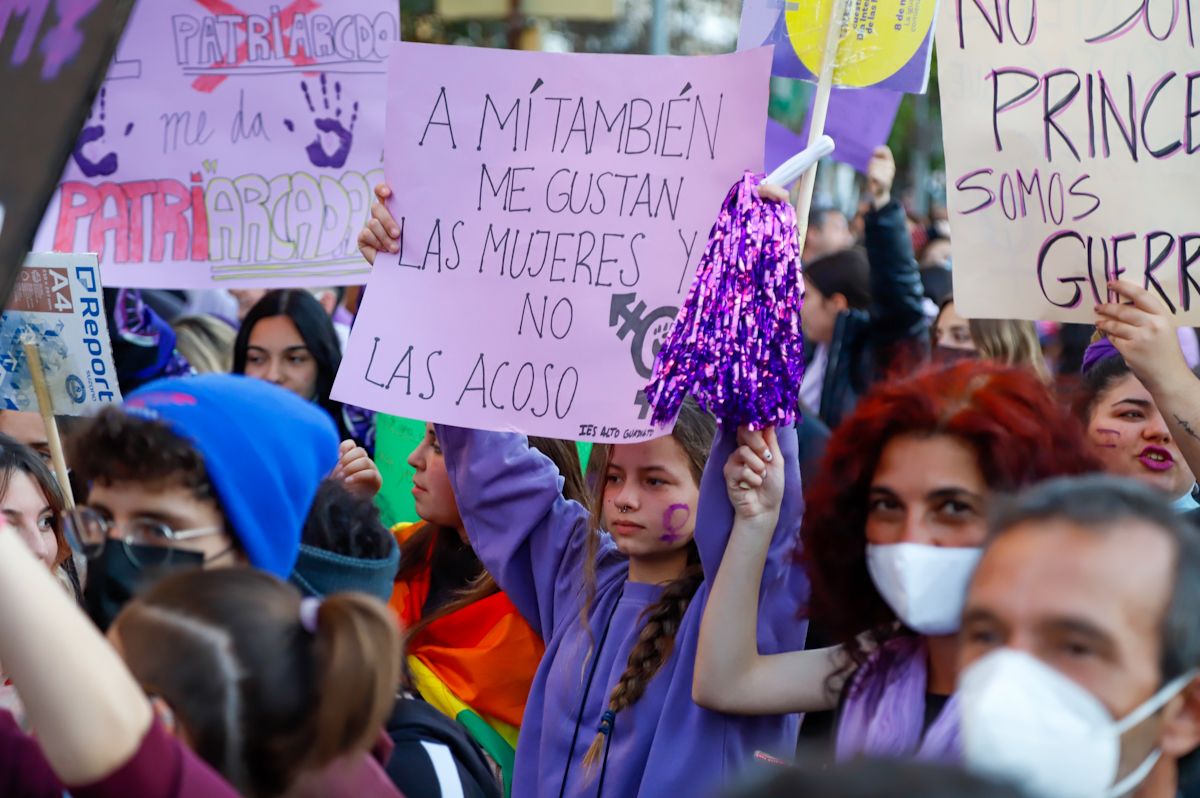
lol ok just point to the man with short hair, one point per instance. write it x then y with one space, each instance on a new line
1081 641
208 471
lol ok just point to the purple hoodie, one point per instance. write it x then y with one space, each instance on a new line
532 540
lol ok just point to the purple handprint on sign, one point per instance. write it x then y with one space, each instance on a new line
106 164
328 127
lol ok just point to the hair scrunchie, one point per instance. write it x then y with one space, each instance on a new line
1101 349
309 607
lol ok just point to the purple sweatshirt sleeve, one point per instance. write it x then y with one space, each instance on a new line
531 539
23 768
714 520
163 767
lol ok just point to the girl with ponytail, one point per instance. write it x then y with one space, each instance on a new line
281 696
618 593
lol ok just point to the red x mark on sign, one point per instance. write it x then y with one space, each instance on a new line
208 83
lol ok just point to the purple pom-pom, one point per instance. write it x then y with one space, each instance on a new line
736 344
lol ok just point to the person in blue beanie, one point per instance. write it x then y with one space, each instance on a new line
208 471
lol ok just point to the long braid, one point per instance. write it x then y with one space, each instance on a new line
694 431
652 649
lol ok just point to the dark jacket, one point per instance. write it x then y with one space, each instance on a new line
893 334
814 437
432 751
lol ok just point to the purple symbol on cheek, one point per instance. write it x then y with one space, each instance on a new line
1112 437
674 520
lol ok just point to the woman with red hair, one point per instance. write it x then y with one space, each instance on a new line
892 532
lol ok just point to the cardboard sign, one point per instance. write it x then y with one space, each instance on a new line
884 43
233 145
1072 135
553 211
52 58
59 301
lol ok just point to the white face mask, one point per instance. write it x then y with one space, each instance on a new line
926 586
1025 722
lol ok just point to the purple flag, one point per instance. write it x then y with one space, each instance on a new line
859 121
782 144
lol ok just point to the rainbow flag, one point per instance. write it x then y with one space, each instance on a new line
475 665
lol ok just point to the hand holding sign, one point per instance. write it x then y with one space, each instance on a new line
1140 328
549 216
380 233
772 193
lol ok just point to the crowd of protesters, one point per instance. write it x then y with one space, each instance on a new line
971 568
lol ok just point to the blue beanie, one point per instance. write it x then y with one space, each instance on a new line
265 449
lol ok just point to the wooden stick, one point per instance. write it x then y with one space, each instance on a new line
820 109
46 407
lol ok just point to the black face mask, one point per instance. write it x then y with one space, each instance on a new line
114 578
945 355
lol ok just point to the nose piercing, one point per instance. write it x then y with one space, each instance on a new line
624 508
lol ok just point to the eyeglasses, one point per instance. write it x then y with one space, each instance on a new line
87 531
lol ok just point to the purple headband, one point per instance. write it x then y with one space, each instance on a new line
1100 350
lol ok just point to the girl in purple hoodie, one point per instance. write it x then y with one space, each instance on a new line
611 710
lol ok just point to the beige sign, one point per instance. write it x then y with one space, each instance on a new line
1072 134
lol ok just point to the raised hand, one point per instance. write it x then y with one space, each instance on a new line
754 477
357 470
772 193
380 233
1143 333
881 173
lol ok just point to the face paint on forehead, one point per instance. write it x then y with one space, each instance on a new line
674 520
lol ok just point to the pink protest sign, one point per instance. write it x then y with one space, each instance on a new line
553 211
233 145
